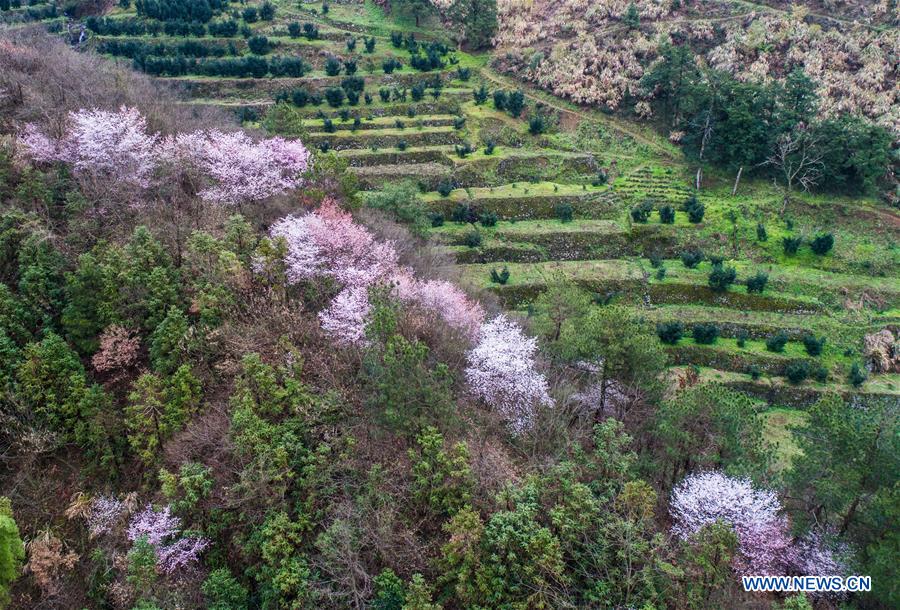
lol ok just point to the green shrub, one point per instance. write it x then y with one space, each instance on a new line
692 258
437 219
258 45
500 278
417 91
294 29
670 332
488 219
334 96
480 95
537 124
472 238
797 371
223 591
463 213
761 234
515 102
445 187
757 283
459 122
661 273
641 212
742 337
754 371
389 65
791 245
385 94
489 147
402 145
351 43
813 346
667 215
401 200
819 373
463 74
564 212
822 244
721 277
369 44
332 66
310 31
656 260
776 342
858 375
328 126
601 178
696 211
705 333
500 99
463 151
353 83
397 39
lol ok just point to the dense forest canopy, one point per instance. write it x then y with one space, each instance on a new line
311 305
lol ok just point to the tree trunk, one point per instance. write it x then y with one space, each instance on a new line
737 181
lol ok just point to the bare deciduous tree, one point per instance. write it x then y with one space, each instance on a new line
798 159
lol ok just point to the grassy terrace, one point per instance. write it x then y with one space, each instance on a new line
543 189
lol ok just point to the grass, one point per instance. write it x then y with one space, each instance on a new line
777 424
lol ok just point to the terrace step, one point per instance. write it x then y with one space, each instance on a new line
525 201
376 176
383 123
632 280
776 390
366 157
217 87
386 138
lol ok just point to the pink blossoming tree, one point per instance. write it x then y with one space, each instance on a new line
244 171
443 298
346 317
327 242
115 146
161 530
502 372
707 497
99 144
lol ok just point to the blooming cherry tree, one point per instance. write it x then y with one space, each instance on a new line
502 372
345 319
161 530
328 242
116 146
99 143
443 298
707 497
244 171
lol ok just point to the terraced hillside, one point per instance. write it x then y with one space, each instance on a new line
525 190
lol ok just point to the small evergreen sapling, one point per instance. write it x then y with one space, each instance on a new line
500 277
813 345
776 342
670 332
822 244
705 333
